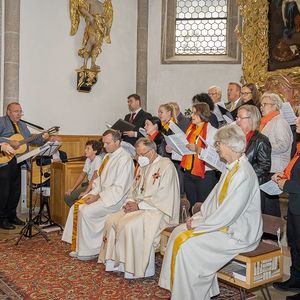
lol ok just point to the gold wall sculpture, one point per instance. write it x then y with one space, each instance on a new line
253 37
98 17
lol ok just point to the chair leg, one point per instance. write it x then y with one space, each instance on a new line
267 295
243 294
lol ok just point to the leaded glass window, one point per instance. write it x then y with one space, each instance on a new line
201 27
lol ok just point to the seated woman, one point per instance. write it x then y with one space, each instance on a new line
228 223
258 147
199 178
277 129
289 182
153 129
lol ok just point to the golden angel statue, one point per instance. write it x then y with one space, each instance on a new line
98 18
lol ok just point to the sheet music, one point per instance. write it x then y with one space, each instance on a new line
108 125
28 155
271 188
227 119
175 128
218 113
210 156
46 150
143 131
178 143
176 156
288 113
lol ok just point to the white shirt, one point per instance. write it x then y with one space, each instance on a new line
91 166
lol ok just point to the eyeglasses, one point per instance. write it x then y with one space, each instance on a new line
246 93
18 111
266 103
242 118
211 94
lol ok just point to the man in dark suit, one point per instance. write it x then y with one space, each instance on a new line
137 117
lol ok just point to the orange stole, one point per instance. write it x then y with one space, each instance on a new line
264 120
76 208
185 235
289 167
192 162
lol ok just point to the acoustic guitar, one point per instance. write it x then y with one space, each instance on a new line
5 158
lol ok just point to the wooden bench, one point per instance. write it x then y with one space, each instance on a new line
263 266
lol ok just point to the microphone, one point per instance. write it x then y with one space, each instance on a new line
34 125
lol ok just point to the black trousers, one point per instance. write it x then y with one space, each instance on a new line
293 236
270 204
196 188
10 189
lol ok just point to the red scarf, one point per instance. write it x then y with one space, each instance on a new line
264 120
289 167
249 135
153 136
192 162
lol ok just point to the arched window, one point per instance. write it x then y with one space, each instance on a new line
200 31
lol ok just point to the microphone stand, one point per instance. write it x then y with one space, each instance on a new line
33 125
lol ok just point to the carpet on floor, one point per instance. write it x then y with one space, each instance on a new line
37 269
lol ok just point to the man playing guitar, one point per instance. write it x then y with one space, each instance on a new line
10 172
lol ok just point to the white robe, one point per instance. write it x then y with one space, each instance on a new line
112 186
200 257
132 237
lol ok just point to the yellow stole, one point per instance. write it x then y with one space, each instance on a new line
185 235
76 208
165 125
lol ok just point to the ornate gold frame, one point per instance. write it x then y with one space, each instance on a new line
253 37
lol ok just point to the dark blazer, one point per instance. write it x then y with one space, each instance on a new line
138 121
183 122
214 120
161 145
258 152
292 187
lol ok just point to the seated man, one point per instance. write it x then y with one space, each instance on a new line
92 163
132 234
87 216
228 223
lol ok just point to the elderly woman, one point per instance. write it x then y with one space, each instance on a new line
278 131
289 182
199 178
258 147
153 129
228 223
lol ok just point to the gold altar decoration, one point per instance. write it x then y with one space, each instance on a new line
253 37
98 17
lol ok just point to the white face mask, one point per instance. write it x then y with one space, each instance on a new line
143 161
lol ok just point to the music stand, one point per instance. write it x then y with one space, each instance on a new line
38 219
27 229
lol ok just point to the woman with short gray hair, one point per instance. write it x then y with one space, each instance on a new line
279 133
228 224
